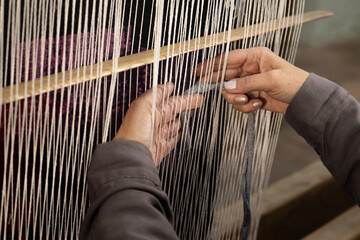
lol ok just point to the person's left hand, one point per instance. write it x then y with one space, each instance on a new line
137 123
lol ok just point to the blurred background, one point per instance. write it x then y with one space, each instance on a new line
331 48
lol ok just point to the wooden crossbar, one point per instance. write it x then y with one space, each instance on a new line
68 78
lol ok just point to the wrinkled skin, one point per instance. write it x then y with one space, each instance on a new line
257 78
137 123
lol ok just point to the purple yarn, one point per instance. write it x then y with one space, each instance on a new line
54 52
52 62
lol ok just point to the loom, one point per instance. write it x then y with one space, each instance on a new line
69 71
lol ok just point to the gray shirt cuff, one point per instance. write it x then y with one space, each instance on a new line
120 159
312 107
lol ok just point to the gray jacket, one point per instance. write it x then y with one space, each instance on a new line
124 187
328 118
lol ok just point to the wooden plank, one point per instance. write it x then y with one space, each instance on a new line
293 206
65 79
344 227
300 203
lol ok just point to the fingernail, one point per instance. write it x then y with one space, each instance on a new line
257 104
230 84
241 99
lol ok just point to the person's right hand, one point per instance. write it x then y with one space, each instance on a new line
137 124
270 81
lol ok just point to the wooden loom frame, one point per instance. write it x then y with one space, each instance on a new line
31 88
23 90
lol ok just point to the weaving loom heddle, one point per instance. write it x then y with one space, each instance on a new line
69 71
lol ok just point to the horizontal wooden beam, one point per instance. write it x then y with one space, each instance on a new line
300 203
292 207
345 227
81 75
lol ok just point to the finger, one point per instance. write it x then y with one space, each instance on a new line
217 75
171 143
235 98
192 112
236 59
166 146
258 82
251 58
216 64
163 91
170 129
174 127
188 102
251 106
179 104
209 65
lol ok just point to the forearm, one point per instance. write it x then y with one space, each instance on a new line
328 117
126 200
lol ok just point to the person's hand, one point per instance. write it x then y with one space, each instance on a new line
270 81
137 123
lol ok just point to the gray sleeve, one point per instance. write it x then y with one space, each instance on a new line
328 117
126 199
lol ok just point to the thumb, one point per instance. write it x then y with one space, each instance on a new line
256 82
